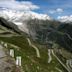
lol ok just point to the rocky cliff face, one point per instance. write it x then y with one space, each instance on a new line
45 32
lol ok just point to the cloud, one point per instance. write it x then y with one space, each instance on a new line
16 5
21 15
65 18
15 11
58 10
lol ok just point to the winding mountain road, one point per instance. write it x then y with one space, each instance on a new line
37 50
69 36
58 69
68 65
60 62
49 55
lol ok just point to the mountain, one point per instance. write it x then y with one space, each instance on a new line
45 40
34 56
66 38
50 32
21 18
44 31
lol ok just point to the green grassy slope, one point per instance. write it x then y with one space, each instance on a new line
30 63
